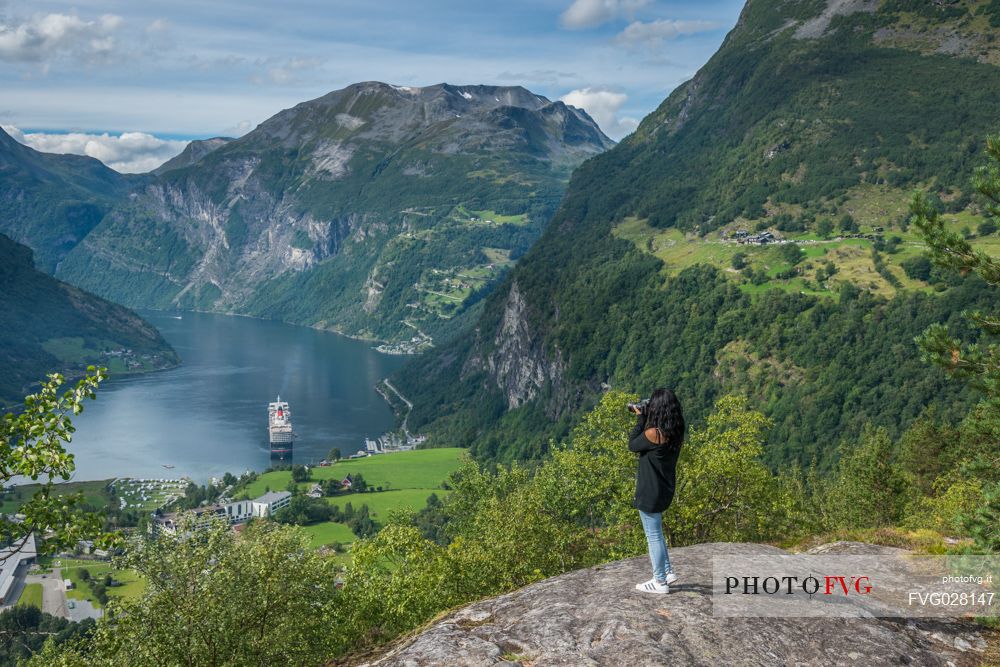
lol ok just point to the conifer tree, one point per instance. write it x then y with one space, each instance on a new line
979 363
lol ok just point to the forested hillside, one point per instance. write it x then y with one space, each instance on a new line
815 122
48 326
50 202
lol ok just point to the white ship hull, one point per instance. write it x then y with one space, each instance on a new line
279 428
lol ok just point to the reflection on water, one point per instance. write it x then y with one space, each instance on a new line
209 415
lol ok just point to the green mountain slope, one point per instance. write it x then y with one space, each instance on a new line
47 326
377 210
811 115
50 202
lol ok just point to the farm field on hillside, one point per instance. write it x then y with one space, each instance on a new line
407 480
759 268
380 504
328 532
417 469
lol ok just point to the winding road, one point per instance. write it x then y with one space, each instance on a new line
409 406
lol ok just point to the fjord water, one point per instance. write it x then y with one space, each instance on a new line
209 415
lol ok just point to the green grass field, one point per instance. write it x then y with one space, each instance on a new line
70 349
408 477
132 584
486 217
380 504
94 494
870 206
31 596
418 469
328 532
500 219
76 350
499 256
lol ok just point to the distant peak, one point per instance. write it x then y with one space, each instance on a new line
192 153
487 95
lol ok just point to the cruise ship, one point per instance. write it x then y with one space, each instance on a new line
279 428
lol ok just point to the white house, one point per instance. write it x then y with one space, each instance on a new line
239 511
270 502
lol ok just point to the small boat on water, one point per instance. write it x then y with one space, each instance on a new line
279 428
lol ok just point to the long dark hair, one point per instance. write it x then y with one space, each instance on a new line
664 414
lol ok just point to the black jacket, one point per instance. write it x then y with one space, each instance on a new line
657 474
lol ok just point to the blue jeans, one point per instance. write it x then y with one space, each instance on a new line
652 525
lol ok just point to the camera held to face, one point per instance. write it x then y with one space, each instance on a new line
639 407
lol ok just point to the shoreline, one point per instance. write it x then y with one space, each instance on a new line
409 404
149 467
338 332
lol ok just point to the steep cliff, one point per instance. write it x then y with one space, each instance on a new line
375 210
521 368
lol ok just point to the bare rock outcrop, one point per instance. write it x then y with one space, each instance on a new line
519 364
594 617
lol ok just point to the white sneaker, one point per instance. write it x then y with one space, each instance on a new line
652 586
671 578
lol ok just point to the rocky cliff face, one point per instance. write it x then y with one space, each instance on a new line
434 191
520 367
594 617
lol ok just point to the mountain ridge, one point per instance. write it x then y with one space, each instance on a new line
51 202
192 153
333 213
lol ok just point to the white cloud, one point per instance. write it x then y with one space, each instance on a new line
238 130
545 76
129 152
590 13
654 33
284 72
158 25
603 106
46 36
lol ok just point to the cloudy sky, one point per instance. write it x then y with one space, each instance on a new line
129 82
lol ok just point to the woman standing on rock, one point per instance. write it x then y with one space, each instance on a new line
656 438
